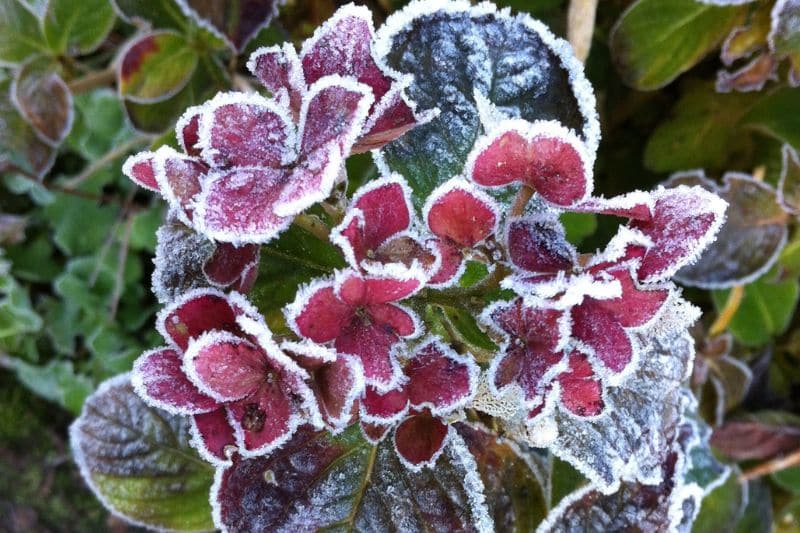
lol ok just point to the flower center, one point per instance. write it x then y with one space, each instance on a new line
254 417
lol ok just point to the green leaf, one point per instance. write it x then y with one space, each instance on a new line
463 329
143 229
20 146
42 97
81 225
77 28
765 311
578 226
789 479
654 42
155 67
156 479
20 34
453 54
776 115
99 124
152 13
57 381
33 260
722 508
340 482
17 317
757 517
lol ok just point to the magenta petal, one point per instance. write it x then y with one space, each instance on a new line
599 329
320 315
266 419
279 70
637 205
400 320
224 366
528 367
440 379
636 306
187 130
140 168
461 213
539 246
215 434
391 117
540 327
343 45
237 206
159 378
685 220
383 408
385 208
246 130
179 177
451 260
372 344
357 290
419 439
544 156
336 386
197 312
310 181
333 114
230 262
581 391
374 433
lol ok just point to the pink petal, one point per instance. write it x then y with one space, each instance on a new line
386 210
187 130
141 170
391 117
383 408
266 419
419 439
159 378
336 387
636 306
581 391
400 320
529 367
230 262
225 367
320 315
440 379
452 259
238 206
215 434
636 205
349 236
279 70
461 213
372 343
374 433
333 114
544 156
242 130
179 177
685 220
343 45
357 290
539 246
310 181
599 329
539 327
195 313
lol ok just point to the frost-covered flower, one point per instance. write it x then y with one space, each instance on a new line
342 46
436 382
358 314
378 231
222 367
460 216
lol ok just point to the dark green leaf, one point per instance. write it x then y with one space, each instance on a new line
152 13
757 517
20 33
236 21
789 479
99 124
155 67
77 28
155 478
57 381
722 508
776 115
74 234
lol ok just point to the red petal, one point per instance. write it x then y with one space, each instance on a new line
377 407
357 290
244 130
266 419
215 434
279 69
398 319
529 367
637 205
461 213
320 316
685 220
386 210
440 379
195 313
539 246
391 118
372 343
159 378
333 114
179 177
539 327
224 366
544 156
310 181
636 306
187 130
581 391
141 170
600 330
238 206
374 433
452 260
419 439
343 45
230 262
336 386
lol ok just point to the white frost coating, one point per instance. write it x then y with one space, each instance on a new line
622 202
563 290
488 113
725 80
473 376
205 340
618 245
584 94
775 16
529 131
460 184
207 118
183 121
344 144
356 369
204 23
198 443
473 484
176 304
789 158
131 161
310 349
509 406
213 499
287 54
549 523
138 384
239 301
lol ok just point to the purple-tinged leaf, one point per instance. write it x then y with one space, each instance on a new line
783 38
789 184
44 100
138 462
539 245
750 240
234 21
155 66
751 77
761 436
21 145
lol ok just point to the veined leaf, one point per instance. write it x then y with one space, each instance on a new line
77 28
155 67
20 34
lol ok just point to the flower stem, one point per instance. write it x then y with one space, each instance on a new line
726 315
313 225
101 78
524 194
770 467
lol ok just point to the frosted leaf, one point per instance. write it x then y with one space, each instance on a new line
180 256
789 184
751 77
320 481
539 244
235 22
138 462
454 50
750 240
784 35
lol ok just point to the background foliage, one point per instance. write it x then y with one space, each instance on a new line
81 88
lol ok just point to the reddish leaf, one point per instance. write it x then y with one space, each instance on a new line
44 100
744 440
